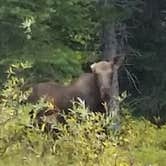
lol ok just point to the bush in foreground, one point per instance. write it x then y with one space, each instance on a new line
86 139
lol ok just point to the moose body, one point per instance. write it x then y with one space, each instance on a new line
94 88
84 88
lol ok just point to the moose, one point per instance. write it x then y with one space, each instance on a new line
94 88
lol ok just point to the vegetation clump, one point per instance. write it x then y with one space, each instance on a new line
85 139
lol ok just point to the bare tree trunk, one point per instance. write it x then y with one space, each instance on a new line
112 46
109 42
152 15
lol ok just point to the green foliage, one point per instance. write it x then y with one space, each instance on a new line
118 11
61 65
30 26
53 36
81 141
148 38
57 37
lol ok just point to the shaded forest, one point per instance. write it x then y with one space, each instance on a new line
48 40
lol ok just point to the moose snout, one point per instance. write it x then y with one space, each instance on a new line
105 93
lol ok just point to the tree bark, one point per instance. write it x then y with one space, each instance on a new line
152 15
112 46
109 42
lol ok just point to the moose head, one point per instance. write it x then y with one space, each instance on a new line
103 72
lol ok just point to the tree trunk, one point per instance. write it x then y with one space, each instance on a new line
112 46
152 15
109 42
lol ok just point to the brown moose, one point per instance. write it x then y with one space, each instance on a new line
94 88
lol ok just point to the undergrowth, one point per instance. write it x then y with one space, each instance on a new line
85 139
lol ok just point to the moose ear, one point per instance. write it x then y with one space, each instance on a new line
93 66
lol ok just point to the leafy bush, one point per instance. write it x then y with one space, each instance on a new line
82 140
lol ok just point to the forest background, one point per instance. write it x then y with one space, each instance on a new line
58 40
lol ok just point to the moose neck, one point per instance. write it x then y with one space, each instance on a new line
85 87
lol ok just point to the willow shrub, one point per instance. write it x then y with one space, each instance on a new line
85 139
